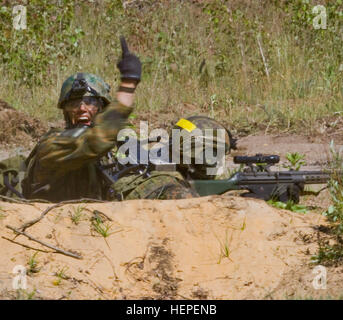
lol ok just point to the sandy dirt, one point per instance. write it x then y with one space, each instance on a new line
18 127
316 150
218 247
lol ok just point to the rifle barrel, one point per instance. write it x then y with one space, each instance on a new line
242 180
306 177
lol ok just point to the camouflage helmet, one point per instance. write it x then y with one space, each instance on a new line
199 171
84 84
202 123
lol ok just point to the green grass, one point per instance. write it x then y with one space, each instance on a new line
295 161
173 39
100 227
33 264
77 215
290 205
225 250
330 251
23 294
61 275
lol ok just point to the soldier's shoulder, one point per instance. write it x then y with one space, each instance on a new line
51 132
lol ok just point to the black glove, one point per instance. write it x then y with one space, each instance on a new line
129 66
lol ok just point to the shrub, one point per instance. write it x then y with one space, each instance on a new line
51 36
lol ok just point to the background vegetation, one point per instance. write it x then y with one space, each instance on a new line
204 53
331 246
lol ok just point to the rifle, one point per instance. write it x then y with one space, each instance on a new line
256 178
261 182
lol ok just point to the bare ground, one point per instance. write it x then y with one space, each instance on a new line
18 127
218 247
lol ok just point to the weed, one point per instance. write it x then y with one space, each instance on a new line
61 275
290 205
33 264
50 36
296 160
77 214
225 250
23 294
331 252
328 254
244 225
100 227
335 211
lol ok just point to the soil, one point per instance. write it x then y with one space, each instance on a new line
18 129
315 149
217 247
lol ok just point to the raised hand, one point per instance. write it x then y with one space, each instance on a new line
129 66
124 47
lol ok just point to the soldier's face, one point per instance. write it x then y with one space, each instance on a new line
82 111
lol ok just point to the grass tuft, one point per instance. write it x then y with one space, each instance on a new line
33 264
102 228
77 215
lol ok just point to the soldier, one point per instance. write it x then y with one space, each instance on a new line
174 184
226 143
64 164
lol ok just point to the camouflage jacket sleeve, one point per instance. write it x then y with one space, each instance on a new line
71 149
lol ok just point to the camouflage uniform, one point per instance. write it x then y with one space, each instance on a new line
12 170
64 164
199 171
158 185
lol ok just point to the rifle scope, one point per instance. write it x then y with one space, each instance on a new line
258 158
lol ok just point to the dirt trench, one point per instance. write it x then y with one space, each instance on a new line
218 247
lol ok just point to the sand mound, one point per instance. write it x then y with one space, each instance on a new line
219 247
18 127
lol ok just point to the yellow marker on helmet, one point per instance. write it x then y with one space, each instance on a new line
186 124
